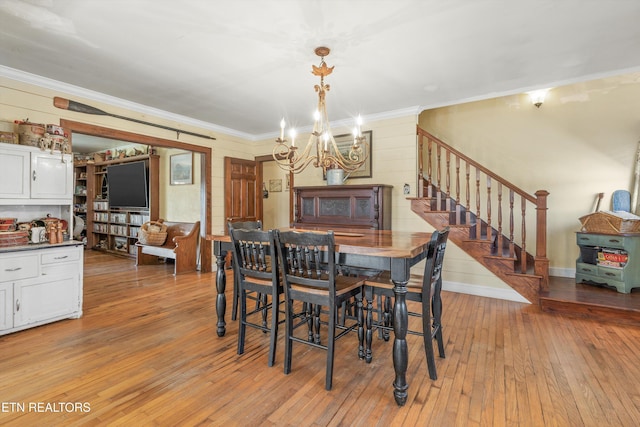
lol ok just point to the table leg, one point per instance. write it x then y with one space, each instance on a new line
400 350
221 300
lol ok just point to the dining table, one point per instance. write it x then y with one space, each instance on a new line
384 250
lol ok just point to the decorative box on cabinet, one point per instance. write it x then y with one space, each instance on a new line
624 276
40 286
344 206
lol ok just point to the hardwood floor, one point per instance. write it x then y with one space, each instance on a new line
591 301
146 353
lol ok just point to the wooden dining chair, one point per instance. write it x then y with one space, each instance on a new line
256 270
424 289
244 225
309 273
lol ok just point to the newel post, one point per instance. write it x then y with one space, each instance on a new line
541 263
420 165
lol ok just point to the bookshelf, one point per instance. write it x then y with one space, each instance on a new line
115 230
80 195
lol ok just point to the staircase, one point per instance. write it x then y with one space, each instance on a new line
474 202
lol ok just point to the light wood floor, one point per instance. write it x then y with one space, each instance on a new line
146 353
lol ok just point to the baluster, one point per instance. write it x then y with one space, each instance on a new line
523 252
421 166
511 225
500 237
458 220
447 178
478 220
438 178
468 193
429 168
489 230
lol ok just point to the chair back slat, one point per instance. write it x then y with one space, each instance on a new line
251 250
308 258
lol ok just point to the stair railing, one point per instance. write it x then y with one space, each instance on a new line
474 202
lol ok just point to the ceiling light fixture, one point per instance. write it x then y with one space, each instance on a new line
321 150
537 96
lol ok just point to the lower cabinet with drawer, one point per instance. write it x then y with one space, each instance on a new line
40 286
609 259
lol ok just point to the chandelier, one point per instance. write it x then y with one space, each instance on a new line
321 150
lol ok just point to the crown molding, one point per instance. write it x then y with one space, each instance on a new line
69 89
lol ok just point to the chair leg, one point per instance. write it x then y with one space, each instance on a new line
437 325
309 314
288 342
428 338
242 326
263 301
331 333
360 317
234 310
316 323
387 316
273 339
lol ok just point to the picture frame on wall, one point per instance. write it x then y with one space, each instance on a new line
181 169
275 185
344 142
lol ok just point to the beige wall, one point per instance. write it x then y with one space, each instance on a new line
394 159
19 100
275 208
179 203
580 142
394 162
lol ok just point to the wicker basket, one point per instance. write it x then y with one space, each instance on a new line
152 233
610 223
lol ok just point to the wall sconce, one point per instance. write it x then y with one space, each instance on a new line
537 96
265 192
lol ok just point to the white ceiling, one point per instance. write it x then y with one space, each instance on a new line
241 65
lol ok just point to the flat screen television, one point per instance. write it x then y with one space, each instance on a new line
128 185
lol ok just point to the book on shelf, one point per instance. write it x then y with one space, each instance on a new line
615 258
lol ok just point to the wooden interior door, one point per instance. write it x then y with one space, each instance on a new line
243 190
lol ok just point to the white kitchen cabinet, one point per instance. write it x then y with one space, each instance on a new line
51 176
6 306
39 286
15 164
36 175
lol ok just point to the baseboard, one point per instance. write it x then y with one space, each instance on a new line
483 291
562 272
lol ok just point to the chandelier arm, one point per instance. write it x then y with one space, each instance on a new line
356 156
288 158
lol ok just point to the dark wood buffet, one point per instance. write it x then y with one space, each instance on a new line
366 206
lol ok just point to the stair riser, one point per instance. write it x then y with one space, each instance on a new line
483 251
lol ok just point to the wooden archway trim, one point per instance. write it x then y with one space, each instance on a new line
205 224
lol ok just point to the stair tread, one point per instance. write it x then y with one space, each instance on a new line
485 250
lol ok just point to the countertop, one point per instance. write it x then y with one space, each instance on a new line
37 246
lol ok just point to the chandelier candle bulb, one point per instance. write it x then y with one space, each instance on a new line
282 123
292 133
